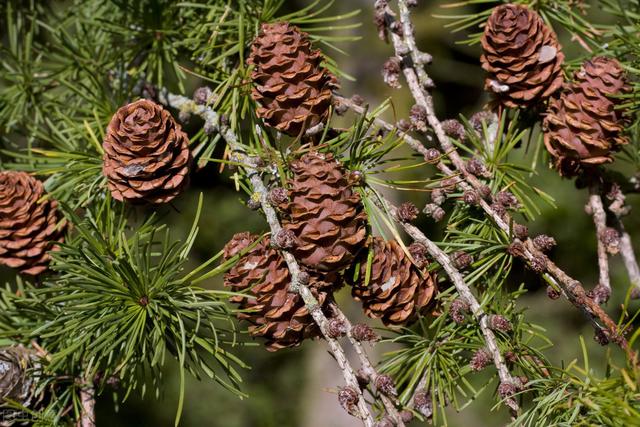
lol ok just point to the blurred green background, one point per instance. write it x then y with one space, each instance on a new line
296 388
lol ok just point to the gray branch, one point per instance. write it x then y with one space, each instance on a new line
571 288
464 293
239 155
599 215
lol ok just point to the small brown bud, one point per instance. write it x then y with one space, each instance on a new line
461 260
403 125
407 212
479 118
201 95
356 177
544 243
348 398
520 231
510 357
449 185
611 240
601 337
507 199
516 249
470 197
438 196
432 155
336 328
396 28
340 107
357 100
391 72
523 381
507 390
412 3
278 196
499 209
384 384
423 403
418 116
458 310
362 332
600 294
453 129
499 323
406 416
285 239
484 191
552 293
538 264
475 167
380 20
434 211
480 360
635 293
419 254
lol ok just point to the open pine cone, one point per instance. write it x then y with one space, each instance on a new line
397 290
146 154
16 382
521 56
275 314
583 126
290 83
325 214
29 228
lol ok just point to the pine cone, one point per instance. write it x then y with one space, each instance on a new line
521 55
28 227
290 83
325 214
275 314
16 383
583 127
146 154
397 291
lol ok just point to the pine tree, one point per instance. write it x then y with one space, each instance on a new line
101 138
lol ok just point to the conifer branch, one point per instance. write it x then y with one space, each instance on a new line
88 403
298 280
628 255
506 379
367 366
596 209
572 289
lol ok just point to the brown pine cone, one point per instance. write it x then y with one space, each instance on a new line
291 86
146 154
275 314
29 228
583 127
325 214
521 55
397 291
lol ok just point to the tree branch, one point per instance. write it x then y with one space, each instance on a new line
465 294
596 209
571 288
239 155
87 402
